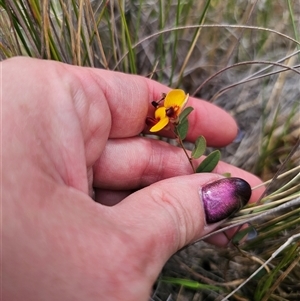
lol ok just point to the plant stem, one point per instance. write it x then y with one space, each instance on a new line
187 155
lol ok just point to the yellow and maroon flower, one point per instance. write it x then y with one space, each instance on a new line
173 104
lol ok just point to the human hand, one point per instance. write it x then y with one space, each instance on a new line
68 130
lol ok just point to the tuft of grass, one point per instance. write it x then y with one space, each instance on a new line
242 55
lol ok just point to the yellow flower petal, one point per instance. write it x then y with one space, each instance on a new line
160 113
175 97
160 125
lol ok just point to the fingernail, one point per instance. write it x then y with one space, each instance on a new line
224 197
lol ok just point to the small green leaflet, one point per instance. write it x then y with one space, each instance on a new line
182 129
185 113
210 162
183 123
199 149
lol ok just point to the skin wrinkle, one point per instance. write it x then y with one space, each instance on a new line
93 108
115 148
177 212
161 197
66 112
134 110
81 106
180 165
155 169
131 162
147 244
71 151
187 217
130 275
89 111
152 175
117 111
96 109
40 154
182 221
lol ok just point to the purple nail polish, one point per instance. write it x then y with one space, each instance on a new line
224 197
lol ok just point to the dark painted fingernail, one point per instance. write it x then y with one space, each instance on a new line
224 197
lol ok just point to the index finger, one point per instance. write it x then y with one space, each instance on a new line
129 99
115 104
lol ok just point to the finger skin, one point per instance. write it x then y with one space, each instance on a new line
145 161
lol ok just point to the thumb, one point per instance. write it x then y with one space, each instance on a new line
166 216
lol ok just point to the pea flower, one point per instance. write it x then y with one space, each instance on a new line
173 104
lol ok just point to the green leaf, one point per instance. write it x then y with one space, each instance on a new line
184 114
182 129
191 284
210 162
199 148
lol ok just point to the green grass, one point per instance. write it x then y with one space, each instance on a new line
242 55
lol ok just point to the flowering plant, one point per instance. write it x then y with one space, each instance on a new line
171 114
